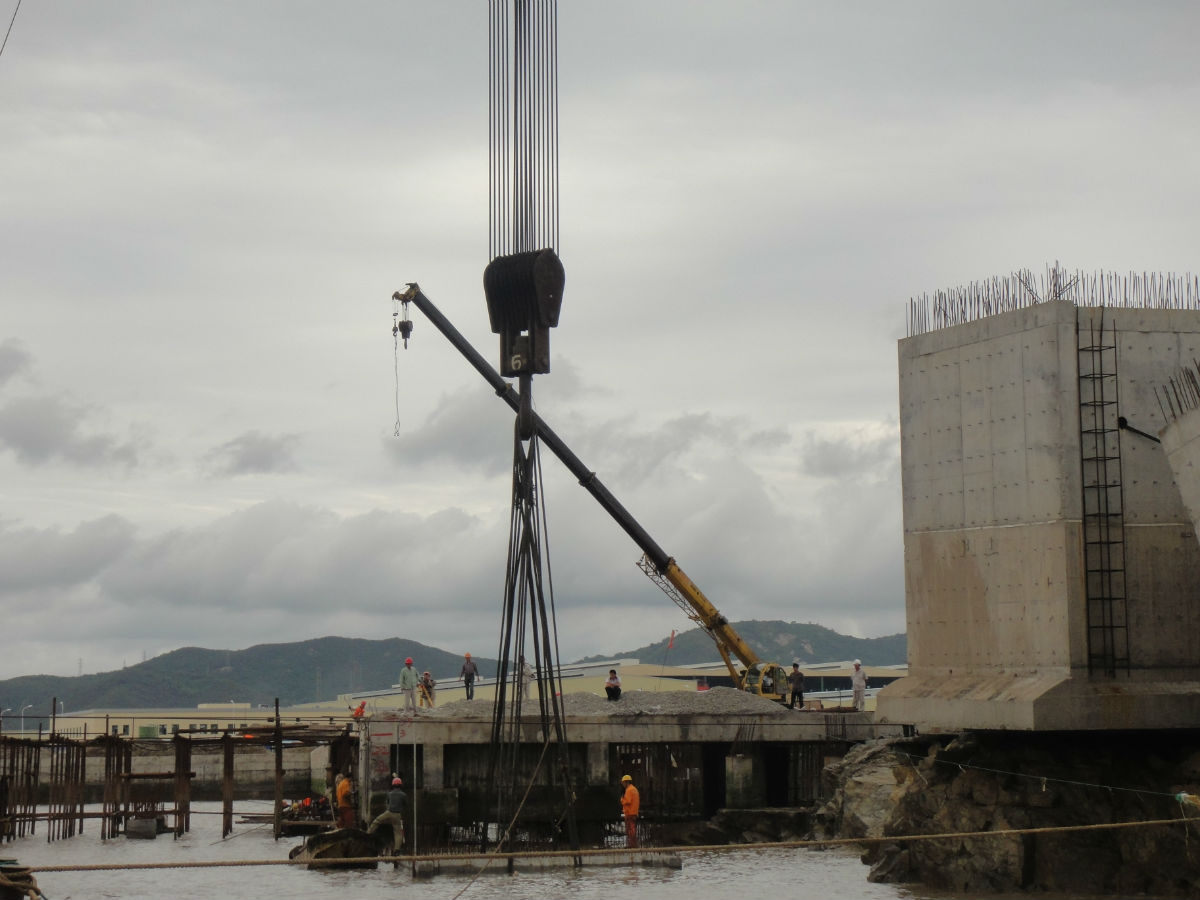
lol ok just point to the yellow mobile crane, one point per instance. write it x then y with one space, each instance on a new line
749 673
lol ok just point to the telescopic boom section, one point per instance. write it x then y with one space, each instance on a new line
688 597
656 563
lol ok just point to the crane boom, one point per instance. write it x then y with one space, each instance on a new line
764 678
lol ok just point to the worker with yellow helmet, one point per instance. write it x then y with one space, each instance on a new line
631 801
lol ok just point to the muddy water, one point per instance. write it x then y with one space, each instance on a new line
794 874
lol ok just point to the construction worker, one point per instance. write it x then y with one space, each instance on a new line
631 801
612 685
796 685
344 791
858 681
393 816
408 686
428 686
467 675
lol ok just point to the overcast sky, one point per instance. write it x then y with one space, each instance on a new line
205 209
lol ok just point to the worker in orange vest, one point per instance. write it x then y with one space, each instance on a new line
344 794
631 801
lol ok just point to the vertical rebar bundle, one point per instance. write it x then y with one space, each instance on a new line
1181 393
19 766
67 775
1019 290
183 784
118 763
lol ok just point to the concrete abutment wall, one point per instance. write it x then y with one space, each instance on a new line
993 484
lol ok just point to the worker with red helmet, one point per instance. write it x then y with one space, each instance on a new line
393 816
409 678
467 675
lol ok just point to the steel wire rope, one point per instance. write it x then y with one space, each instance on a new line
523 172
498 135
557 670
1043 778
539 126
396 367
506 730
494 855
554 118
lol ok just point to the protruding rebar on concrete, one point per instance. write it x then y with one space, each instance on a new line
1000 294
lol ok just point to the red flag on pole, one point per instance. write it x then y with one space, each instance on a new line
671 641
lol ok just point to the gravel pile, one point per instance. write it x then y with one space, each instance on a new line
718 701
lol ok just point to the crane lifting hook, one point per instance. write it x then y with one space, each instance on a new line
402 325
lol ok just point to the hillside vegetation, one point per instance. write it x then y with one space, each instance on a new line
323 668
774 641
301 672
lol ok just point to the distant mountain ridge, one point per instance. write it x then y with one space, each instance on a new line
300 672
773 641
323 668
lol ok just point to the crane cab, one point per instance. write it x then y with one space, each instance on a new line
767 680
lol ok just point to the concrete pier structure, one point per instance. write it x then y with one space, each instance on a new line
686 766
1050 563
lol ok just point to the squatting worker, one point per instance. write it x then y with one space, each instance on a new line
858 681
796 683
393 816
631 801
612 686
408 686
467 675
344 791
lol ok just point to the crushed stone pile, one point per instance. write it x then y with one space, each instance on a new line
717 701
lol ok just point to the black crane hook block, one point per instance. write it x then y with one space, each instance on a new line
524 295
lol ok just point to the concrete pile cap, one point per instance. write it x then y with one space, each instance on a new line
718 701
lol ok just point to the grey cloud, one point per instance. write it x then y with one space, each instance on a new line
15 359
291 559
230 211
862 455
39 429
40 559
471 429
253 453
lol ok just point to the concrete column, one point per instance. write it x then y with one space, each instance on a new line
597 763
364 772
434 772
743 783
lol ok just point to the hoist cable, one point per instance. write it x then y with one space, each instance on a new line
396 355
523 204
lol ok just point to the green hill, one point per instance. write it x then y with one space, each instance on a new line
322 668
776 641
302 672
